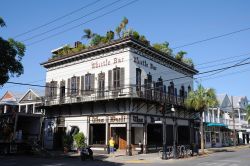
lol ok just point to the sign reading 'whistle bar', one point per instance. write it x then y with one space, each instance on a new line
106 62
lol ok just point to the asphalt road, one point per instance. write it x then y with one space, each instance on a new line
237 158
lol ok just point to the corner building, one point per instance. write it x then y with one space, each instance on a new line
124 89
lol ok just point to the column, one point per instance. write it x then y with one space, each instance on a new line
88 133
19 108
5 109
145 134
213 117
33 108
164 156
218 115
107 132
129 147
26 109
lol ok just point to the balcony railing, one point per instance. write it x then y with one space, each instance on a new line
129 92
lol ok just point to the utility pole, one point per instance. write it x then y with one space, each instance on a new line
234 131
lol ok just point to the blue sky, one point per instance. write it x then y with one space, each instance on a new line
177 21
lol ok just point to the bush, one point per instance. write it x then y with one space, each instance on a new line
79 139
67 141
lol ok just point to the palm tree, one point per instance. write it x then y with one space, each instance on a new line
118 31
2 23
88 34
200 100
248 113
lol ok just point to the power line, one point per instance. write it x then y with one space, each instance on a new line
57 19
211 38
76 26
222 59
210 71
69 22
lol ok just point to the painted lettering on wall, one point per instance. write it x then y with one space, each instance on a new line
97 119
106 62
137 119
117 119
144 63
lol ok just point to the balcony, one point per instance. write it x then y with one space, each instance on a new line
129 92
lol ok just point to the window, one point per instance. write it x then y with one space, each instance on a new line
189 88
116 78
73 87
53 89
101 84
30 109
148 86
208 139
23 108
138 79
62 89
89 83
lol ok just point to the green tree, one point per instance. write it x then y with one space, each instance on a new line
248 113
200 100
11 54
2 23
88 34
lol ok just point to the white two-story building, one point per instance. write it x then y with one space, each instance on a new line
220 123
123 89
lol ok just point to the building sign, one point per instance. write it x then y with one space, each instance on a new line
137 119
152 119
106 62
136 125
97 119
118 119
117 125
144 63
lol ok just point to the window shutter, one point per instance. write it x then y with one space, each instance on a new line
47 89
68 87
92 82
122 77
78 85
82 85
109 79
55 87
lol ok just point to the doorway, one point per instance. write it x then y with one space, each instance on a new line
119 135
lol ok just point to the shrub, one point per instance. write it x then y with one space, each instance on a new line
79 139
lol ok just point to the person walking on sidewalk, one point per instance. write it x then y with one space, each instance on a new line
112 146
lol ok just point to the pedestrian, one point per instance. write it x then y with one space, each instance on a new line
112 146
141 147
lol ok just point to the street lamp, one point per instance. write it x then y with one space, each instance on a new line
174 132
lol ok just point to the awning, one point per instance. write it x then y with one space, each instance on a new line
216 124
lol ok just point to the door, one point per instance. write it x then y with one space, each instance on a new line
119 135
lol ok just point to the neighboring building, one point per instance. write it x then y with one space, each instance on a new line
24 103
123 89
30 102
216 123
9 103
241 125
219 123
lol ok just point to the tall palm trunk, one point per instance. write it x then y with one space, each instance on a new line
202 133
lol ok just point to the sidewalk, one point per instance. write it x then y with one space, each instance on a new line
120 157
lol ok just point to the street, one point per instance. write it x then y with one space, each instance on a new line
233 158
